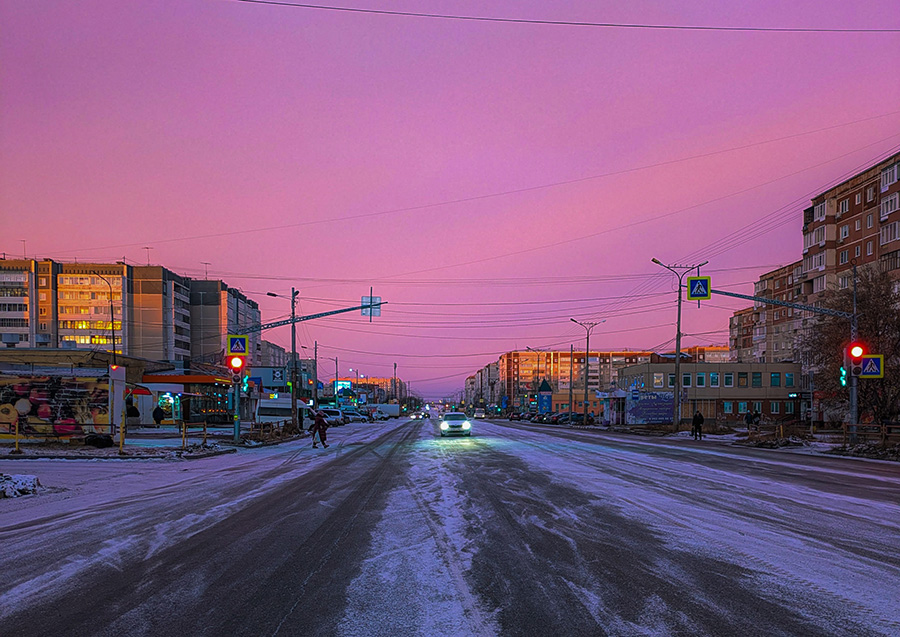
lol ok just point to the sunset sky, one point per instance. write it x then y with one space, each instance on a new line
489 180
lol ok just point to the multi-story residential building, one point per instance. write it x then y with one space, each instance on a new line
216 311
707 353
521 372
487 384
272 355
18 311
740 339
161 314
776 329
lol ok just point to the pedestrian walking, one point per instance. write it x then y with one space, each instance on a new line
748 420
757 419
697 426
158 415
320 425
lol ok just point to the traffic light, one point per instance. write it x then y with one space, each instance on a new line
236 365
855 352
843 376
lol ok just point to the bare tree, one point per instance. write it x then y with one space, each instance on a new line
878 307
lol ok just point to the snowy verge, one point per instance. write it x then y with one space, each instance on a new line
12 486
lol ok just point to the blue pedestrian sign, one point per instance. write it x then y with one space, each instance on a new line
872 366
237 345
698 288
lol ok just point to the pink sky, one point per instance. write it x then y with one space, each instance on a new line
128 124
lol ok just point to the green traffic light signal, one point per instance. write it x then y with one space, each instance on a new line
843 376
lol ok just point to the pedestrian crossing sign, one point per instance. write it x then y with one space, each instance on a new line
237 345
872 366
698 288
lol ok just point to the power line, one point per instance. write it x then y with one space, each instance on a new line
570 23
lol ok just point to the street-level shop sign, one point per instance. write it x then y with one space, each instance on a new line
872 366
238 345
698 288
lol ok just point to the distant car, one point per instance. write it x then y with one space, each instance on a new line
515 416
334 417
379 415
417 415
455 424
479 413
354 416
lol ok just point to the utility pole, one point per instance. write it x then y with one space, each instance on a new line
112 317
316 375
679 271
588 328
571 371
854 380
294 411
394 387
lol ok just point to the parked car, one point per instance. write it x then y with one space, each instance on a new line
334 417
515 416
378 415
352 415
455 423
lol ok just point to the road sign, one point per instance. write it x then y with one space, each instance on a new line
238 345
635 394
698 288
373 308
872 366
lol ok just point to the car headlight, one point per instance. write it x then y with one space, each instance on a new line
444 426
467 425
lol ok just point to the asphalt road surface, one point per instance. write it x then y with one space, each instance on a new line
518 530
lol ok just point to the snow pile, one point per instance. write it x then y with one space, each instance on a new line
869 451
12 486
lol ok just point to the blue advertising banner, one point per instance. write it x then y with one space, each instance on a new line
653 407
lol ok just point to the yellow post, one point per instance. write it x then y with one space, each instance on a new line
204 432
183 435
121 433
17 450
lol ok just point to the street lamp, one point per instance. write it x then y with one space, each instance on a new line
112 317
588 328
679 271
293 299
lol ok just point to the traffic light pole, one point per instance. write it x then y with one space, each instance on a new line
854 379
294 418
236 386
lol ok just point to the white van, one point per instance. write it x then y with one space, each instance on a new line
279 409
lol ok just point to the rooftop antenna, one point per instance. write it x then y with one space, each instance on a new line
24 255
206 265
148 249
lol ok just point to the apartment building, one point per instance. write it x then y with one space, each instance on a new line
161 314
740 335
216 311
521 372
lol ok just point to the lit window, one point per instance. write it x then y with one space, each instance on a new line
774 407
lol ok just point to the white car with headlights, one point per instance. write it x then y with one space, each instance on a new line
455 424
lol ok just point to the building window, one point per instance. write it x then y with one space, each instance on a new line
844 257
788 407
843 206
672 380
742 379
789 379
868 248
756 380
742 407
889 205
889 232
845 231
857 251
714 379
686 379
775 379
858 224
42 296
888 177
658 380
858 200
727 406
757 407
819 212
819 284
729 379
869 220
774 407
870 194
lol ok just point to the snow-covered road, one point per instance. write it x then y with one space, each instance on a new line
519 530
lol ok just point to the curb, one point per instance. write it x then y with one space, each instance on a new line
208 454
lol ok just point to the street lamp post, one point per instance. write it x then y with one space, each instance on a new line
294 411
679 271
588 328
112 317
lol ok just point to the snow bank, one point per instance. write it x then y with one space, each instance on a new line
12 486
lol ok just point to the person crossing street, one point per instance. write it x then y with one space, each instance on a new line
697 426
320 426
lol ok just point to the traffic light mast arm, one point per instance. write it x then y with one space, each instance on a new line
798 306
308 317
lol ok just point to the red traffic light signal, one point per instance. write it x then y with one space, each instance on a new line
855 352
236 364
